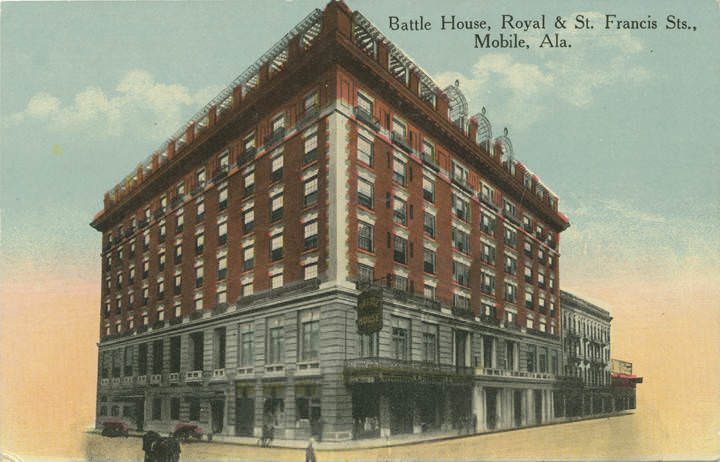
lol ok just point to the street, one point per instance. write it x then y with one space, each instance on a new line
606 438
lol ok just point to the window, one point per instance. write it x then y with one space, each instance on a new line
399 171
276 341
369 345
248 257
161 261
542 359
247 340
488 194
366 273
199 210
365 193
400 254
248 220
461 273
219 343
311 102
276 207
428 152
365 151
161 289
529 302
194 411
310 188
528 249
400 283
132 249
527 180
249 181
429 292
529 322
430 346
488 253
510 264
461 240
222 231
162 232
131 300
488 283
222 198
310 335
528 274
276 247
532 352
157 357
222 267
310 233
365 236
509 208
157 408
179 221
541 278
510 292
146 240
175 408
400 211
198 301
276 169
541 303
429 225
310 270
199 275
178 253
200 176
199 242
461 301
400 338
460 173
249 143
510 237
487 224
276 281
428 189
311 146
429 261
399 128
145 270
177 284
365 103
527 223
461 208
278 123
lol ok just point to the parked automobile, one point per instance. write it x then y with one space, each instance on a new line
184 431
114 427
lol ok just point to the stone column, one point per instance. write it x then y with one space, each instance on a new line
259 404
529 408
384 411
478 408
290 411
229 424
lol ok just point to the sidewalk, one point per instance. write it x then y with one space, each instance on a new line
395 440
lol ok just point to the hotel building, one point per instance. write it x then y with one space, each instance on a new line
335 246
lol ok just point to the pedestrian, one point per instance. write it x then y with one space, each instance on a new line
310 451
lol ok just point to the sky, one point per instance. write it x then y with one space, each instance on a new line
623 127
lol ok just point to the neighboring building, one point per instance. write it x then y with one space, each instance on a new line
623 383
586 356
333 171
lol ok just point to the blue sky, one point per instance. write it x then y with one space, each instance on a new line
623 127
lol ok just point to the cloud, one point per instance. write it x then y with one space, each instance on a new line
524 87
138 104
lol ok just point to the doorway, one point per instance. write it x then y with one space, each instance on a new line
491 407
517 404
217 410
244 416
